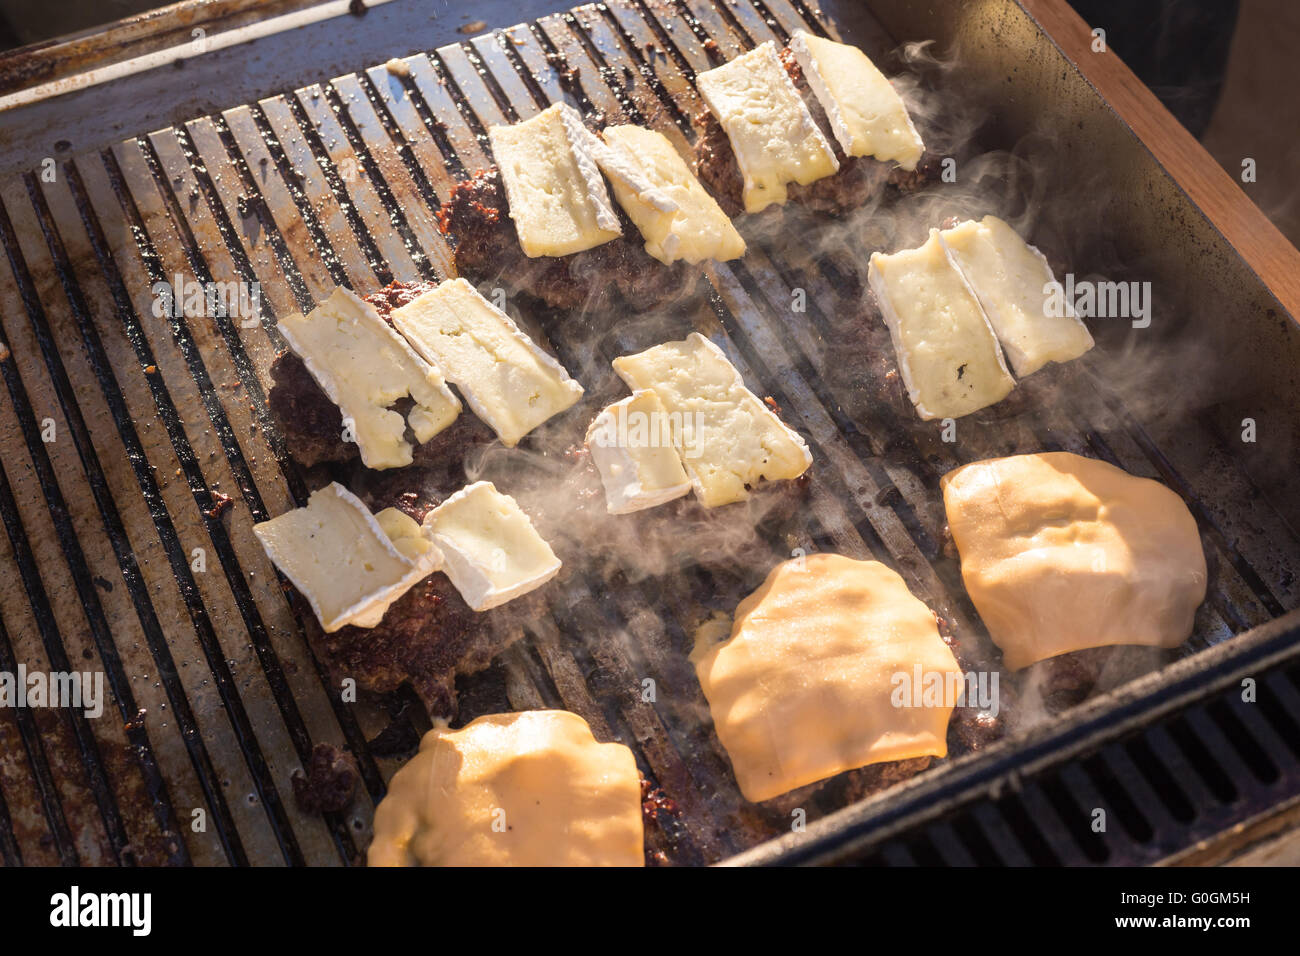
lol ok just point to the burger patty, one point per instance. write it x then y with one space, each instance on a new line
969 729
429 635
716 168
1064 681
427 638
858 177
476 215
876 777
312 425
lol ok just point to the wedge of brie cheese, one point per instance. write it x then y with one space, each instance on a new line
678 219
774 137
527 789
727 437
1060 553
509 382
365 368
557 198
631 444
618 167
492 552
865 111
350 565
1010 278
947 352
807 685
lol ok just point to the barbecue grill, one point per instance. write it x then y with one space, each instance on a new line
138 450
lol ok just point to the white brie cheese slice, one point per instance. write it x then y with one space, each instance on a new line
619 168
492 552
865 111
947 353
773 135
365 368
690 225
350 565
727 437
509 382
557 198
631 443
1009 276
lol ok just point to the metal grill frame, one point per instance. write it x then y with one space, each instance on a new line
338 183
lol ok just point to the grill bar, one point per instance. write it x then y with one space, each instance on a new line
278 290
186 396
10 855
339 183
114 526
68 536
195 351
50 622
160 509
41 779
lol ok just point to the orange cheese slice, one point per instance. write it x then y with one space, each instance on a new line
1061 553
526 789
806 686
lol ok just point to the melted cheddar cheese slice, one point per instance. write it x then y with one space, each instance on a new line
1061 553
804 687
526 789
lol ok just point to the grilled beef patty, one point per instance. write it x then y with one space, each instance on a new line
429 635
487 250
715 166
858 177
312 425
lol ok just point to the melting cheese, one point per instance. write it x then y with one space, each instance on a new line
947 352
350 565
690 225
557 199
365 368
621 169
509 381
526 789
727 438
631 444
806 685
1010 277
865 111
407 536
1061 553
492 551
774 137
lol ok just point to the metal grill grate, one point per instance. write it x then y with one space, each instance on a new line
155 420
